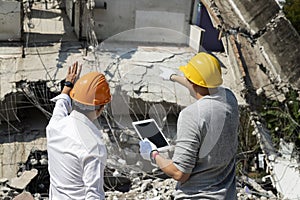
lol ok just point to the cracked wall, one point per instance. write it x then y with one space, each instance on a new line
10 21
281 42
123 15
22 124
265 30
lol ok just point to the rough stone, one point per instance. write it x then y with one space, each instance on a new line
22 181
24 196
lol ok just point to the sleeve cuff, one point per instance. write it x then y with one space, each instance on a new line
183 170
64 97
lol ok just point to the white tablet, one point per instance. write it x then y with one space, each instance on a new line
148 129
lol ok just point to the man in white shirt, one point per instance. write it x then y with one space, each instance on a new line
76 151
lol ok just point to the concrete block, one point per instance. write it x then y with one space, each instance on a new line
168 92
22 181
152 97
127 87
3 180
281 44
8 170
182 95
8 154
257 13
164 21
10 21
39 143
150 56
154 87
24 196
195 38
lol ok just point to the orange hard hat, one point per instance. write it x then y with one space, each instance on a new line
91 89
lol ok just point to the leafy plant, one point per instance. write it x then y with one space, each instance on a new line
291 9
283 118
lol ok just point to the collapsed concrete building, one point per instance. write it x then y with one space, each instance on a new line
129 41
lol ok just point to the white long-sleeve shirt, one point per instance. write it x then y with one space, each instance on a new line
77 154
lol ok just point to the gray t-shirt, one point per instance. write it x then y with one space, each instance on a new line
206 145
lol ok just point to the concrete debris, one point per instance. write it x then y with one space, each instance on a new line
286 171
124 178
152 189
122 181
24 196
257 188
22 181
287 178
3 181
283 165
161 189
7 193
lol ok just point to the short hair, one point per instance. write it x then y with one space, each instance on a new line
82 108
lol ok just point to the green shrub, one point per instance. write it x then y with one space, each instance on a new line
291 9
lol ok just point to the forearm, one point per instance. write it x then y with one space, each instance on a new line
72 76
168 167
66 90
62 107
182 81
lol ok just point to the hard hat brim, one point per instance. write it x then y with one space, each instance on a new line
201 83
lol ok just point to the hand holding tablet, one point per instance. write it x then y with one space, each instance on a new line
148 129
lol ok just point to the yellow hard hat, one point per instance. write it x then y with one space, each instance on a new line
91 89
204 70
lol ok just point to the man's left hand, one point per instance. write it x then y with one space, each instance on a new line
72 76
73 72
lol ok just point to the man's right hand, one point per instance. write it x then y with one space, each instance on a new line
166 73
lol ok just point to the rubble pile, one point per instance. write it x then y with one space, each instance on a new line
154 189
32 178
127 175
120 182
162 189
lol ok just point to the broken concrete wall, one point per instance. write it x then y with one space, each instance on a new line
10 20
123 15
18 150
267 30
257 13
254 64
21 132
281 43
8 108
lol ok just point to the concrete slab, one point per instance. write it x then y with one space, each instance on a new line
182 96
168 92
10 50
47 25
24 196
162 20
10 21
150 56
22 181
134 72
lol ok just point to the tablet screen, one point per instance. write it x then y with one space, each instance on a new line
150 130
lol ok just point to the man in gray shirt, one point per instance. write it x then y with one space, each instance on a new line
204 158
